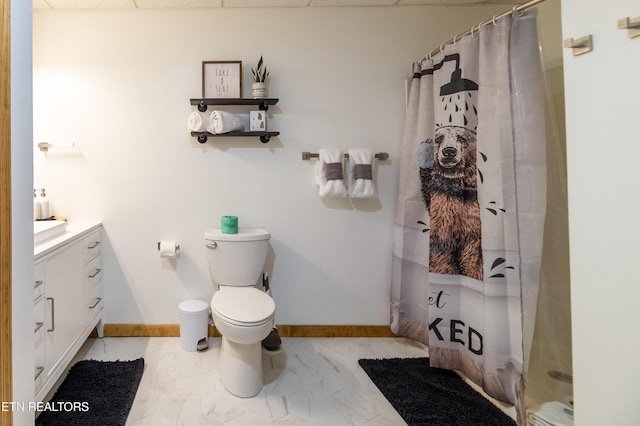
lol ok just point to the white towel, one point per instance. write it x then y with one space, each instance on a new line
224 122
361 173
329 173
198 121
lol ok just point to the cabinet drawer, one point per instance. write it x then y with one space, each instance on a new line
38 316
93 288
39 375
92 244
94 306
39 336
38 275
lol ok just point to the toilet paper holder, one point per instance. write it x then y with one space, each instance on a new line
177 246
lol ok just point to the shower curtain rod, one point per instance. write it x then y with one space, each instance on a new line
518 8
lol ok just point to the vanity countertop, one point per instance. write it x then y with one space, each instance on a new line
74 230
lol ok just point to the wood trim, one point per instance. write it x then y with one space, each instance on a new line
173 330
6 364
141 330
146 330
335 331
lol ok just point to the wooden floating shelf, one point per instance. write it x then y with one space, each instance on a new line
264 136
262 104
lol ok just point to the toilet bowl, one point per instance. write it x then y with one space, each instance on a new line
243 314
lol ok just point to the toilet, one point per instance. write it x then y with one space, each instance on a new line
242 313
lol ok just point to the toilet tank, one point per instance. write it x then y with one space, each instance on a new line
236 259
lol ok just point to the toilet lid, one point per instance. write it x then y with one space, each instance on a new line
243 234
246 305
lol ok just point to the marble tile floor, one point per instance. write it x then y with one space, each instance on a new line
313 381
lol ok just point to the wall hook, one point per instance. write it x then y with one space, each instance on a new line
631 25
44 146
580 45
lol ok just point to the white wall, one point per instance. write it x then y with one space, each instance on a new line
118 83
21 210
603 175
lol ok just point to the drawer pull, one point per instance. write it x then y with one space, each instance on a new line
97 271
53 316
38 283
39 371
96 304
94 245
38 326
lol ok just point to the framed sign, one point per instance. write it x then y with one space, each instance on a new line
222 79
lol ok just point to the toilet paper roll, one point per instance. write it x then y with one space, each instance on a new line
168 248
229 224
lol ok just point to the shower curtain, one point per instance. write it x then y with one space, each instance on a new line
471 205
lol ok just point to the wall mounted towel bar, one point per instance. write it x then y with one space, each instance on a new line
309 155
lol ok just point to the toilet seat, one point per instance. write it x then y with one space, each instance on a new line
243 306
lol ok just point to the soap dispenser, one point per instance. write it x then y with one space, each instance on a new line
44 205
36 205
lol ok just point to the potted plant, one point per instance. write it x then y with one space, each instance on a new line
259 87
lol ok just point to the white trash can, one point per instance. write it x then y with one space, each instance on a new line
194 325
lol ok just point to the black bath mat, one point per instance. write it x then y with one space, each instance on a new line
94 393
423 395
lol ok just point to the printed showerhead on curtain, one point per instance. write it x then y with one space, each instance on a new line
458 108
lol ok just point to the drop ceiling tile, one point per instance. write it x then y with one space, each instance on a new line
91 4
439 2
160 4
264 3
333 3
40 4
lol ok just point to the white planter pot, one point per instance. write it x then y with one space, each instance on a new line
259 90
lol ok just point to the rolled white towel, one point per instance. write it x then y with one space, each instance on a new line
198 121
224 122
361 173
329 174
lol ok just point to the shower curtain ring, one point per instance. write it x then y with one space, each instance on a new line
494 19
442 48
472 31
455 40
515 11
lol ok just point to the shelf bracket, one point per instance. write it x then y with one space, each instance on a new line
265 138
202 107
264 106
202 138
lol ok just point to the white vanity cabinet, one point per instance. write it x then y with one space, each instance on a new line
67 301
